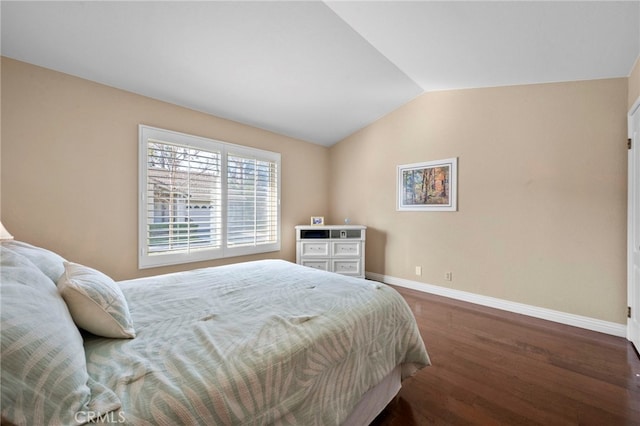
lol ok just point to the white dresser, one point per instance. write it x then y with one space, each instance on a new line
334 248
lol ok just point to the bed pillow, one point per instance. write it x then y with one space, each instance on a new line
95 301
44 378
50 263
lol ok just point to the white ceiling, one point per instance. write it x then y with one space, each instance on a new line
319 71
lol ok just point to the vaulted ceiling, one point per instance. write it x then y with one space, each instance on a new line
319 71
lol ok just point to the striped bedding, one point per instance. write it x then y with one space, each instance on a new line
257 343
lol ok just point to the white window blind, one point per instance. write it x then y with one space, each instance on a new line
252 188
204 199
183 198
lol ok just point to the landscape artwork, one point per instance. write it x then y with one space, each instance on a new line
428 186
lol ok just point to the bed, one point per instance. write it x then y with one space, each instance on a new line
255 343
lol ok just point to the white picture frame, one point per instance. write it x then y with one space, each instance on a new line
428 186
317 220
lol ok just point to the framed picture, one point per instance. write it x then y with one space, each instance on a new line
317 220
428 186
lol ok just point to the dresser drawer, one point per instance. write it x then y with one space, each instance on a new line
314 248
346 248
322 264
347 266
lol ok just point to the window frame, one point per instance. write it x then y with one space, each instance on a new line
146 260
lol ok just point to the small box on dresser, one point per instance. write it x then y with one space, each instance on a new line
333 248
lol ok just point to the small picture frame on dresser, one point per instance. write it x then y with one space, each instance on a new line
317 220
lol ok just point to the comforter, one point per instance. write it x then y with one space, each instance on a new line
265 342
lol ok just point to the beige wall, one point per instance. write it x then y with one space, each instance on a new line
541 214
542 183
70 172
634 84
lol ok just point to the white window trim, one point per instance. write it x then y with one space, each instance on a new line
150 261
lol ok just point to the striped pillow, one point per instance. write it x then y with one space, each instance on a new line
95 301
47 261
44 376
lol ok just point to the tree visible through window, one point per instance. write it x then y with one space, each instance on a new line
204 199
180 178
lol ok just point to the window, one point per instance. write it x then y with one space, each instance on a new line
204 199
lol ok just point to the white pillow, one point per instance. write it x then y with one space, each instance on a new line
95 301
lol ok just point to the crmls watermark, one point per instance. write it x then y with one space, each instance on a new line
96 417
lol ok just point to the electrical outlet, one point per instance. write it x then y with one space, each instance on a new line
418 270
448 276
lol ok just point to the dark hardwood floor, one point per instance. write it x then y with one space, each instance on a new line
492 367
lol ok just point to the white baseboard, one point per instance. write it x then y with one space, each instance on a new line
593 324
